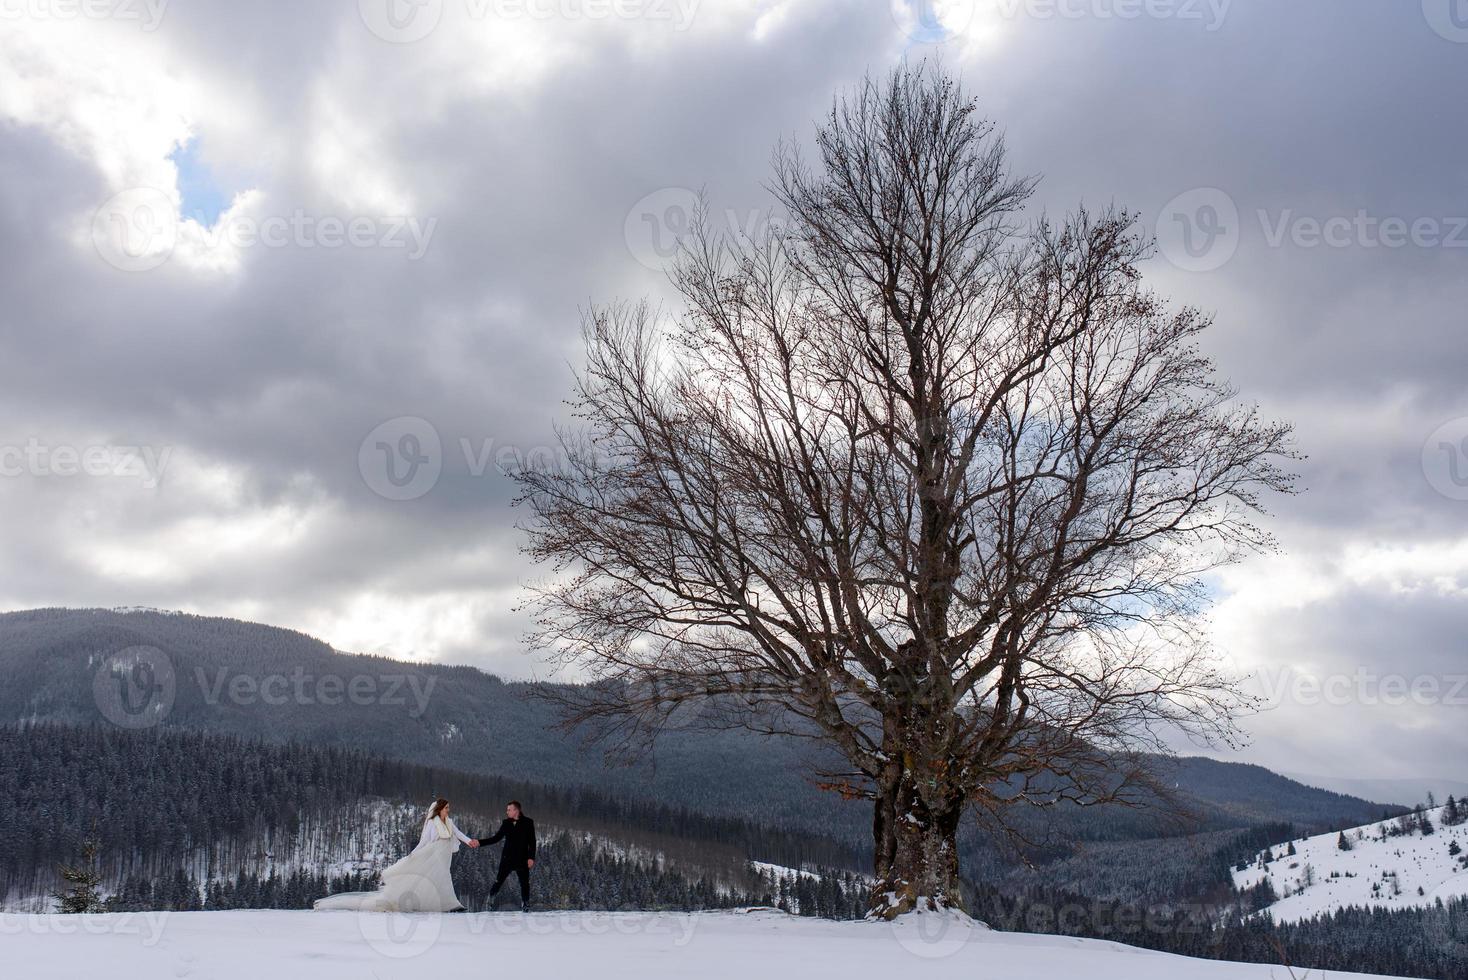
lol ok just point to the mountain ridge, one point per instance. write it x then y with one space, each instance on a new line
235 677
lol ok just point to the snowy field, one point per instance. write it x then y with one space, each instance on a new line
1395 872
605 946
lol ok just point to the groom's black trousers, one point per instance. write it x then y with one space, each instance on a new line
519 870
519 838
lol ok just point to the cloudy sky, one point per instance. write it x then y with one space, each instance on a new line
257 253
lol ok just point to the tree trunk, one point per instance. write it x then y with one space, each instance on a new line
916 846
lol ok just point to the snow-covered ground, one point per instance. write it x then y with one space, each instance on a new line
607 946
1391 872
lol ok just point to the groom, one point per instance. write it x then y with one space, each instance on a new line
518 833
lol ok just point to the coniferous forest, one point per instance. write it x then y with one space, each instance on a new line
187 821
237 805
182 820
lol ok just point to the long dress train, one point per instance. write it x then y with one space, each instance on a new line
417 882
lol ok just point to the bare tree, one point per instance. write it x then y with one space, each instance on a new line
911 478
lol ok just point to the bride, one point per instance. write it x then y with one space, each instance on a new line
419 881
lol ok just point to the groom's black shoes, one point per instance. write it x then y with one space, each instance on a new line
494 904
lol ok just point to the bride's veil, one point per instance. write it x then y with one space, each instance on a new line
428 819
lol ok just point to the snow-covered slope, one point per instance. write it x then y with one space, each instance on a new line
1384 867
607 946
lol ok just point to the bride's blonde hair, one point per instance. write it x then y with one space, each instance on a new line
438 806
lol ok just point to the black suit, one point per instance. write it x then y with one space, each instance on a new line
519 851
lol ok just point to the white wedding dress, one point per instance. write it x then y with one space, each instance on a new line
417 882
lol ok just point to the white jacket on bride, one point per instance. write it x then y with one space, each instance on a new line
417 882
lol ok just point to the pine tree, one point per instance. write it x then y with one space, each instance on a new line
1342 843
85 880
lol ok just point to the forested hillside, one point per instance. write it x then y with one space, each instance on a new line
257 681
223 676
188 820
230 677
174 812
